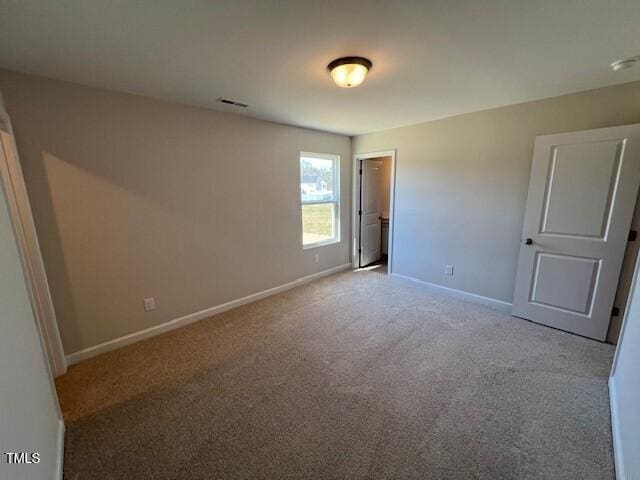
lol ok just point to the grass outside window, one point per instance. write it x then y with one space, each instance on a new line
319 195
317 223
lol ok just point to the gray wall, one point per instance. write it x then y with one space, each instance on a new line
29 415
461 184
625 390
134 198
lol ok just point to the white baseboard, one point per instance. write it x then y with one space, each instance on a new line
76 357
615 431
471 297
60 459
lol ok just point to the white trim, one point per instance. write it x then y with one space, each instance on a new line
470 297
355 194
33 266
317 202
615 432
634 280
29 247
337 216
309 246
325 156
60 459
613 397
194 317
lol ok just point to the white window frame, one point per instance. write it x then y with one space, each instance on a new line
335 201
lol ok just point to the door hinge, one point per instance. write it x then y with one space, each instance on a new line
633 234
360 212
360 171
615 311
359 250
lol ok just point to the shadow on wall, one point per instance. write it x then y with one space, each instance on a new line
133 197
80 199
96 219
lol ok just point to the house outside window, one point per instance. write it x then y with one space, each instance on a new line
320 199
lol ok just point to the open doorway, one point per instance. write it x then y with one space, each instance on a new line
373 210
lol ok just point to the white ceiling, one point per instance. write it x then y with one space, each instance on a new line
431 59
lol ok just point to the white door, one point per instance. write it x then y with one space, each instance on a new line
582 195
370 207
30 420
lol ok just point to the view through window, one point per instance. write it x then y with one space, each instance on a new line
320 199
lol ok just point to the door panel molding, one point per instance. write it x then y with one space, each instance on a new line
370 206
591 268
607 207
582 195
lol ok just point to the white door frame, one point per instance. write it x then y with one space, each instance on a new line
355 221
625 321
13 181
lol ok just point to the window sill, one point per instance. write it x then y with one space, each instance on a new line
320 244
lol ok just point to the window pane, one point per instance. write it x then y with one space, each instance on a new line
316 179
318 223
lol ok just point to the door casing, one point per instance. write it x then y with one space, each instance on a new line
13 181
355 200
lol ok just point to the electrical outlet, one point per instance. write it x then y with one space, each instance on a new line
316 258
448 270
149 304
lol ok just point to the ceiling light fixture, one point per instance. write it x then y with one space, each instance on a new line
349 72
625 63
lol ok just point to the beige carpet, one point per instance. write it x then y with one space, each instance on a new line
353 376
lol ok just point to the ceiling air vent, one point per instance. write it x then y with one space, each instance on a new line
231 102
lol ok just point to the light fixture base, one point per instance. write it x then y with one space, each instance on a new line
625 63
365 62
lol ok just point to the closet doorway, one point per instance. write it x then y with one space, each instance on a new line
374 177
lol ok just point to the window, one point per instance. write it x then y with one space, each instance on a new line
320 195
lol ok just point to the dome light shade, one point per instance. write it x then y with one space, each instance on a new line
349 72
